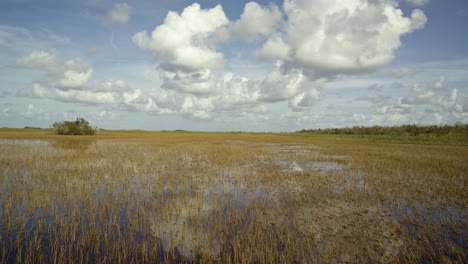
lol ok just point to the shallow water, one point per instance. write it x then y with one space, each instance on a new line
186 229
193 204
452 221
23 141
322 167
194 208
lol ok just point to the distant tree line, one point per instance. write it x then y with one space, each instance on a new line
403 130
78 127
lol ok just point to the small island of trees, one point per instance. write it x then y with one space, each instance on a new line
78 127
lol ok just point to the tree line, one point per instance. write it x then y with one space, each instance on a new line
403 130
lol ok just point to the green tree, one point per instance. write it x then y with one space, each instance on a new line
78 127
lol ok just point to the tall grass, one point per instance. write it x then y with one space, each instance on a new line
224 197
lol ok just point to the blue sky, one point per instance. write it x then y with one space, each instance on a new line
233 65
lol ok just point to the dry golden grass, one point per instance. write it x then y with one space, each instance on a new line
146 197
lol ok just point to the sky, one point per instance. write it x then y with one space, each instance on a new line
233 65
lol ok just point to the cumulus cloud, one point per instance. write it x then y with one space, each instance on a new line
161 102
157 101
281 84
276 48
392 106
201 82
120 13
310 41
76 73
341 37
436 95
68 81
235 96
74 96
199 108
419 19
113 86
255 20
430 98
425 103
285 83
185 47
238 92
185 40
64 75
321 39
304 100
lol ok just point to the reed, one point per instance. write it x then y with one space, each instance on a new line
146 197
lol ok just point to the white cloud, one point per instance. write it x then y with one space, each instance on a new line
120 13
417 2
435 96
184 46
419 95
71 74
68 81
281 84
290 84
425 103
113 86
103 115
158 101
276 48
392 106
305 100
38 59
238 91
201 82
76 74
342 36
316 41
233 97
439 84
199 108
73 96
32 111
255 20
419 19
185 40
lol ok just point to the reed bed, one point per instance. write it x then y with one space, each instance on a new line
141 197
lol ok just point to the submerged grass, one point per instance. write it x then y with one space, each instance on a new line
151 197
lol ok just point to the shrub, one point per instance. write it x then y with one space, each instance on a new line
78 127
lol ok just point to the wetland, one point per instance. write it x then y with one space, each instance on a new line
167 197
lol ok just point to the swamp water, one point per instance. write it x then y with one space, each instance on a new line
73 201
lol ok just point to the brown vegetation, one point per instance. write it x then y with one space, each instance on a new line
149 197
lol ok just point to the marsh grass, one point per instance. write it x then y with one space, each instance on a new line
147 197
